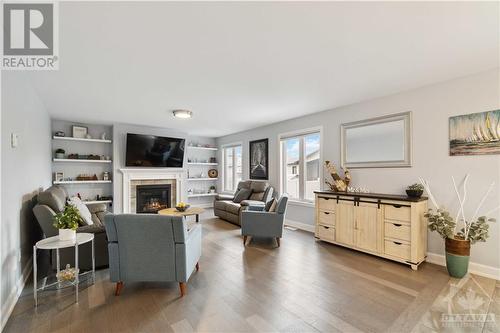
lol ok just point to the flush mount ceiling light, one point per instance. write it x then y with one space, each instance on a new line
185 114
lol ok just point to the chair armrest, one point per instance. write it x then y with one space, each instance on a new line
224 197
97 207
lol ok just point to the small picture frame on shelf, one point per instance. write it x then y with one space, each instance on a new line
80 132
59 176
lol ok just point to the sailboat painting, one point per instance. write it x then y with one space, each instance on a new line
475 134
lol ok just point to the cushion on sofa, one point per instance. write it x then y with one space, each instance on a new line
257 196
233 208
259 186
82 209
54 198
244 184
242 194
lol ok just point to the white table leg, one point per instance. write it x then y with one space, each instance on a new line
58 263
93 262
77 277
35 295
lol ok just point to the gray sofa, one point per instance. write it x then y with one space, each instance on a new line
150 247
52 201
260 223
227 209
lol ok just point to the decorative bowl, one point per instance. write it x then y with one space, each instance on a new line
182 209
414 193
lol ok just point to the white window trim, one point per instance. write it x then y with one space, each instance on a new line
282 167
223 164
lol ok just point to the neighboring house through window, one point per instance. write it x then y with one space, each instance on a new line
300 164
231 166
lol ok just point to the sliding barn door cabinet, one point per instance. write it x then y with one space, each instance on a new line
389 226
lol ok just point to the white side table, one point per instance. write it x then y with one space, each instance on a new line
53 243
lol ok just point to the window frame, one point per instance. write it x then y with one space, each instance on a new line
301 134
223 165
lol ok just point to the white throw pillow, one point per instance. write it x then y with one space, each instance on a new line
82 209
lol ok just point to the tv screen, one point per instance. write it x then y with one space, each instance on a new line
154 151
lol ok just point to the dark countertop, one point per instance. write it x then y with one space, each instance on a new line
375 196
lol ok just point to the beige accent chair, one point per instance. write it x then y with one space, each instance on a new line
227 209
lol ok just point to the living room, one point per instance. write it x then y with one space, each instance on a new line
226 158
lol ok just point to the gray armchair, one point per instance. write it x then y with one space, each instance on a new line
52 201
259 223
150 247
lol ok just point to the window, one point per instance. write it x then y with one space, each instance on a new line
300 165
232 168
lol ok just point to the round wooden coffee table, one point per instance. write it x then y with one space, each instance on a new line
188 212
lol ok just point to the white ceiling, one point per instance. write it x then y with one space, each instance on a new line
242 65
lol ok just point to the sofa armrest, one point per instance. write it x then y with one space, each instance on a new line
225 197
253 205
97 207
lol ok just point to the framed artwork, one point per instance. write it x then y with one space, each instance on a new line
259 159
59 176
475 134
80 132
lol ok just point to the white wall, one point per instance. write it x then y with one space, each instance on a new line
119 145
25 170
431 106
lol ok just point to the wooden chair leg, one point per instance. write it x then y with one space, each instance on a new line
119 286
278 241
183 287
245 240
197 266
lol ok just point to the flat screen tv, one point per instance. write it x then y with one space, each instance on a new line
154 151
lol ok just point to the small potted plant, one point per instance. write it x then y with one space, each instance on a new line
458 241
67 222
415 190
60 153
212 189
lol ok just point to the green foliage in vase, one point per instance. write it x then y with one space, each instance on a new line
441 222
415 187
478 231
69 218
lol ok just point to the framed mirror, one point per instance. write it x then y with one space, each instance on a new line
383 142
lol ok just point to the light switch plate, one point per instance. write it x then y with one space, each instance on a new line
14 140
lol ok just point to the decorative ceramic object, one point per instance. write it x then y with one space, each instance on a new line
457 256
213 173
339 184
68 274
415 190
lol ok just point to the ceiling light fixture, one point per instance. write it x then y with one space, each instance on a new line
184 114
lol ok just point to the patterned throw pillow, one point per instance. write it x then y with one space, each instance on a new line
270 204
82 209
273 206
242 194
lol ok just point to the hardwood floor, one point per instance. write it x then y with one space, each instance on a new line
302 286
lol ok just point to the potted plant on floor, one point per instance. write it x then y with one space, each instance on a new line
67 222
458 241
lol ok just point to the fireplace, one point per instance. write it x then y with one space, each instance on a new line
152 198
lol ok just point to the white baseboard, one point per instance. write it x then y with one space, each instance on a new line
11 300
299 225
474 268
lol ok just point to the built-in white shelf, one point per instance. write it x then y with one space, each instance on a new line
74 160
203 148
201 195
205 179
67 182
90 202
196 163
69 138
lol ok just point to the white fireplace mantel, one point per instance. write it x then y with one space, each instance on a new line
130 174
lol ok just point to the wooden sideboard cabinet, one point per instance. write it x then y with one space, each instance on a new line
389 226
